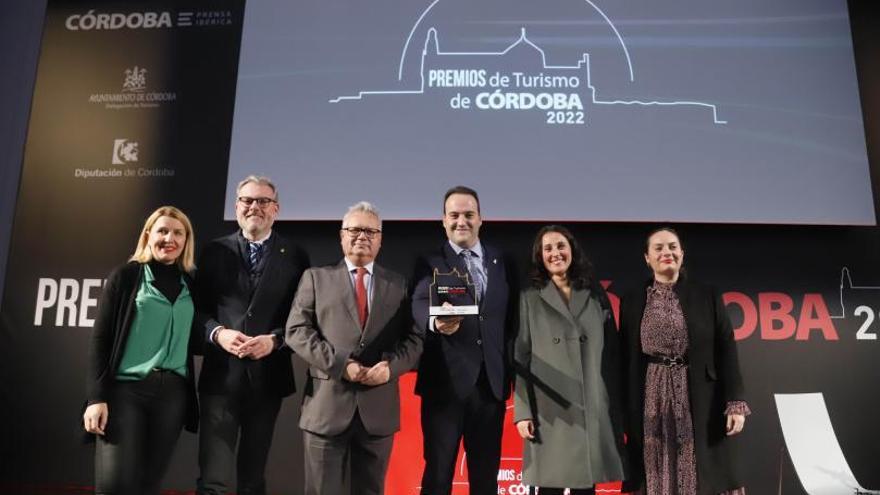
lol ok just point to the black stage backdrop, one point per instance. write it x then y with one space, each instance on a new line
131 110
144 112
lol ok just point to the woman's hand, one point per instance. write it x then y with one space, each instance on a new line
95 418
735 423
526 429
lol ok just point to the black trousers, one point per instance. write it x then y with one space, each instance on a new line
144 422
479 420
246 420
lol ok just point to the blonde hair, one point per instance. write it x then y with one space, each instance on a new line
186 260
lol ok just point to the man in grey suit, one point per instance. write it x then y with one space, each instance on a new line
351 323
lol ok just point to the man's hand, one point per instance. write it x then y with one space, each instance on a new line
354 371
231 340
257 347
95 418
379 374
447 325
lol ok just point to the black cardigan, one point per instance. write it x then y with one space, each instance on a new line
115 316
713 380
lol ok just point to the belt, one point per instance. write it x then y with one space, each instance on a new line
676 362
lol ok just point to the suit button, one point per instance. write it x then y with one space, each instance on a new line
479 342
362 345
583 338
250 314
481 317
555 340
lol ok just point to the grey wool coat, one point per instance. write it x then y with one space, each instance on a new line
567 384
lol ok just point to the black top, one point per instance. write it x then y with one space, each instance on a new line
166 279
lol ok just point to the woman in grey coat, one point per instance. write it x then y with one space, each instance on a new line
566 397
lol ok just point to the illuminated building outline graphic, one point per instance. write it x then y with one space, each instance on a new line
432 38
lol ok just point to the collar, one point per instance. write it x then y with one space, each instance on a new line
258 241
351 266
156 269
477 248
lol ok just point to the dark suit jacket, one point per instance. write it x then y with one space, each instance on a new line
229 297
451 364
713 380
116 312
324 329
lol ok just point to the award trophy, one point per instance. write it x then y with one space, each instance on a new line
456 289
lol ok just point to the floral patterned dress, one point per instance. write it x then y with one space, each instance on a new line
670 462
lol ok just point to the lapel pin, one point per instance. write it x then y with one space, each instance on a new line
282 250
494 261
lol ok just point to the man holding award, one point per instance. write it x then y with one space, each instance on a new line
463 302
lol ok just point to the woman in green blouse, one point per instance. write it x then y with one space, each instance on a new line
140 381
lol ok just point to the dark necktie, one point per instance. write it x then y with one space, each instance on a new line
477 276
360 290
255 254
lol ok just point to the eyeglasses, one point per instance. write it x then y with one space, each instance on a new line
261 202
357 231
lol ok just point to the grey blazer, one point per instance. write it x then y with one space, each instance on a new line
323 329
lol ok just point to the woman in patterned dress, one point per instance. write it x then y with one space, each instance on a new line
684 390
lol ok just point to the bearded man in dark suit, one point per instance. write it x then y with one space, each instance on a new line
246 282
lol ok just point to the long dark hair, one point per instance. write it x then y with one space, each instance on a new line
580 272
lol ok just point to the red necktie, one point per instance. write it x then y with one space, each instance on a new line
361 292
